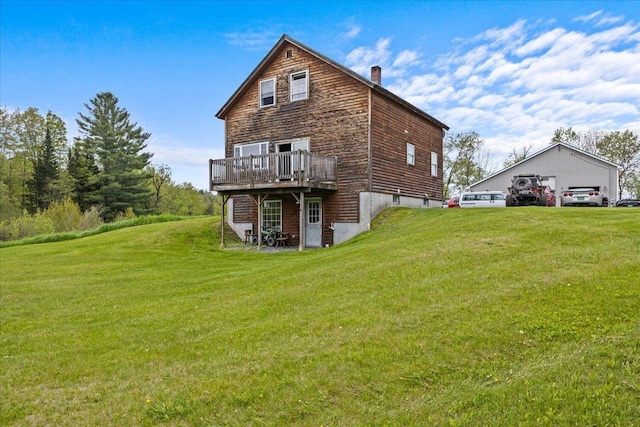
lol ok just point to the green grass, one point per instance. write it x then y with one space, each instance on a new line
488 317
103 228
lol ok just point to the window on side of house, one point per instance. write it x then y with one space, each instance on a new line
411 154
250 149
396 199
299 86
434 163
267 93
272 215
256 149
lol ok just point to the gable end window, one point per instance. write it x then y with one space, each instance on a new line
299 86
411 154
267 93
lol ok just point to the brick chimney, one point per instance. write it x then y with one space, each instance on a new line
376 75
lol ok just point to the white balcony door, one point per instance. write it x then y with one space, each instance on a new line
313 223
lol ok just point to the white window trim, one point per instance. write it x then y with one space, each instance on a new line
239 148
434 163
306 87
278 202
411 154
262 105
313 200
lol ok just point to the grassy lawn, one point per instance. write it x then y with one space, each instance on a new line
488 317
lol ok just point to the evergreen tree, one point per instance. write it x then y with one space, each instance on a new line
45 173
116 144
85 177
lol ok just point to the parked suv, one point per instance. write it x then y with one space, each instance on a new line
527 190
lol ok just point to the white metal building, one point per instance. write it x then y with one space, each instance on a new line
563 167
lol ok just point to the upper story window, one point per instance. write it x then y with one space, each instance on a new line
299 85
434 163
411 154
267 93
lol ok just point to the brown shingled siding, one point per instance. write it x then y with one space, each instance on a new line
334 118
389 162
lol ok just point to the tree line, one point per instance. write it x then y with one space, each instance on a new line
466 159
105 170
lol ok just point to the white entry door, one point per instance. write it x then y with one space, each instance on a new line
313 223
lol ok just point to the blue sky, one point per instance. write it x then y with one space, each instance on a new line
512 71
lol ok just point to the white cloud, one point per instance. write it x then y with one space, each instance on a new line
363 58
405 58
540 43
587 18
489 101
504 36
168 151
353 30
516 85
608 19
600 19
186 162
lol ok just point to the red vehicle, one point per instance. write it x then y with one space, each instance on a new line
454 202
550 197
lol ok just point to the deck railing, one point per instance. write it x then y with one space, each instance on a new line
302 167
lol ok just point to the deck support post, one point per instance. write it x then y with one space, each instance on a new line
259 201
223 204
302 220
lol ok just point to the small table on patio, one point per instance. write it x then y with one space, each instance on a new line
282 239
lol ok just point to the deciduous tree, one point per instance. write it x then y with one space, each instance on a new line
160 181
584 140
517 156
465 161
623 149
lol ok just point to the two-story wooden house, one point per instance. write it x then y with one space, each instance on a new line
316 151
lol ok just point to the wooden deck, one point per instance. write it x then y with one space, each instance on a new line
294 171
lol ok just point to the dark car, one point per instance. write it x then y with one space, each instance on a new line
628 203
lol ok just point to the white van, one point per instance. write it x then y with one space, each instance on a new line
483 199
